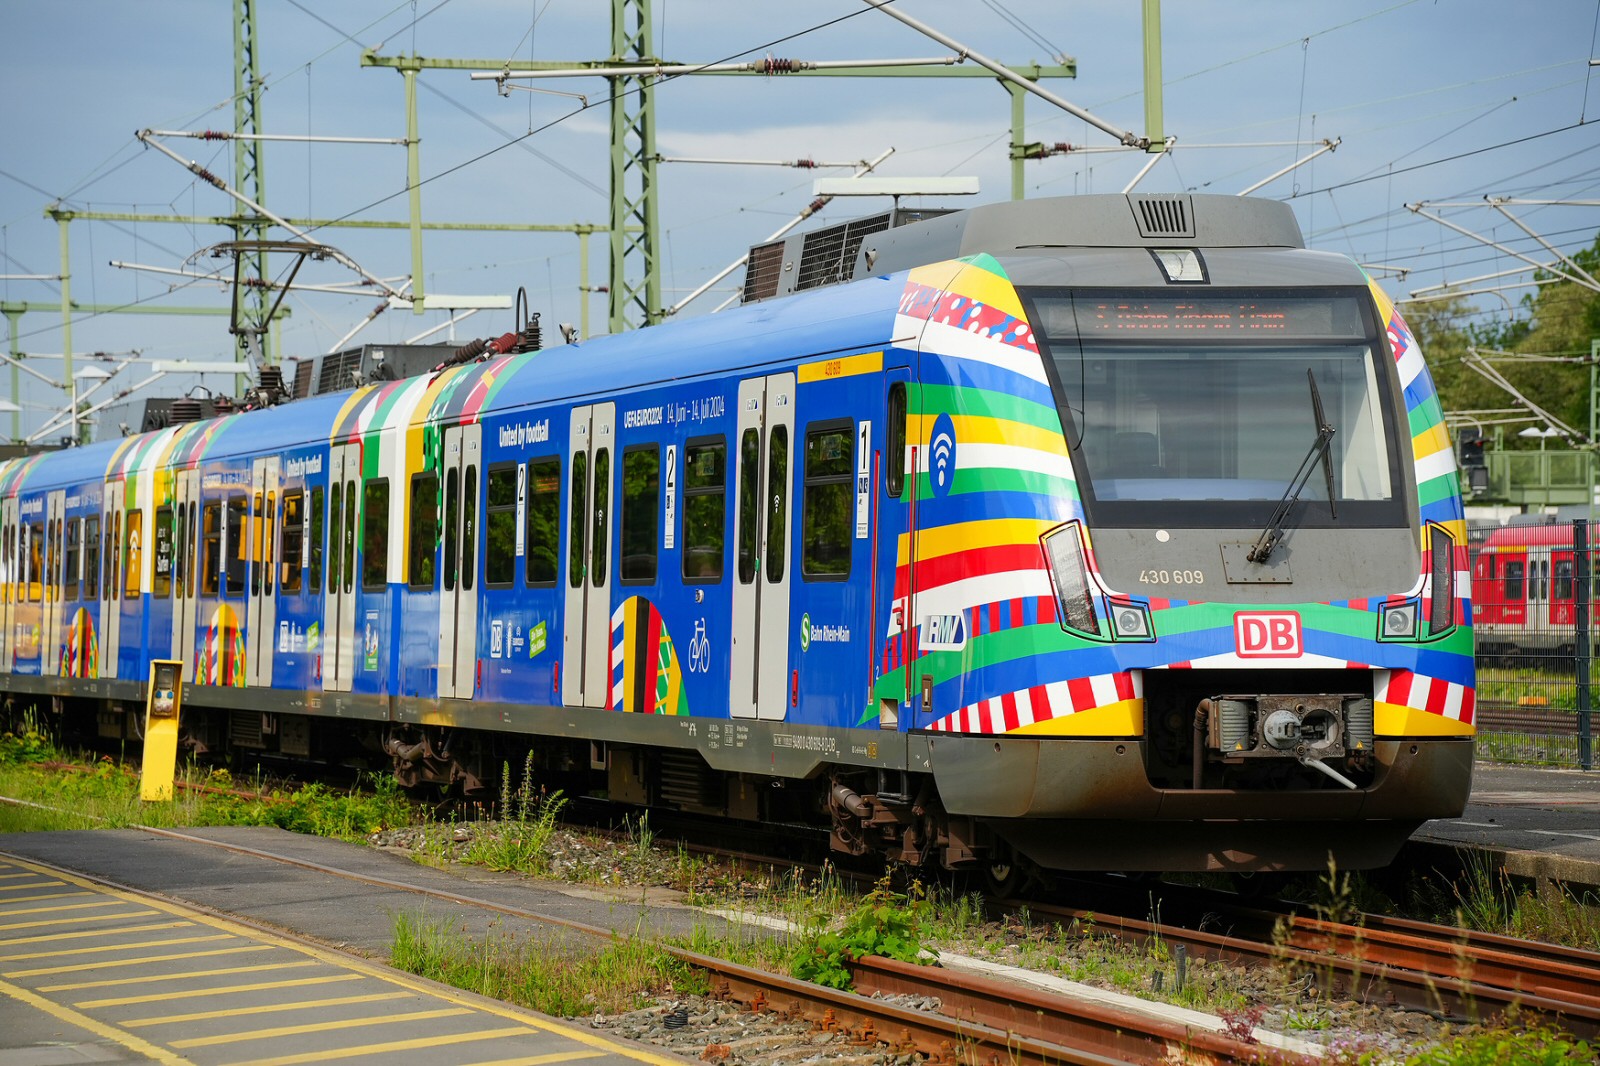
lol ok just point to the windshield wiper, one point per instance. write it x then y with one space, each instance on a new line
1273 534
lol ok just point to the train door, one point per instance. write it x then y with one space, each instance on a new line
458 603
261 600
55 545
891 607
339 606
586 628
111 578
763 465
9 587
185 589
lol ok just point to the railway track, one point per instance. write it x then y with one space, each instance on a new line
1460 973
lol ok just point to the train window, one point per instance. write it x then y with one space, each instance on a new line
161 584
294 541
829 497
749 481
1541 570
641 513
895 469
74 560
33 558
1514 579
500 526
118 547
52 566
91 557
469 527
579 518
314 579
1563 579
375 534
234 563
180 569
257 556
600 546
348 564
705 495
269 534
777 496
452 528
544 520
189 551
424 530
210 548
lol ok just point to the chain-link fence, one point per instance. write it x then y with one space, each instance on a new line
1533 618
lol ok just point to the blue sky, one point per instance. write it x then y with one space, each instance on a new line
1432 100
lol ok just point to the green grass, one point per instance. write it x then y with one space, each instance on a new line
624 975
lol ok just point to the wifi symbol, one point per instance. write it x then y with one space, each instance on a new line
943 451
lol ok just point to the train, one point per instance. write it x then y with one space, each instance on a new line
1528 598
973 539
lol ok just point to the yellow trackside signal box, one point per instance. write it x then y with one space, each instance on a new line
163 698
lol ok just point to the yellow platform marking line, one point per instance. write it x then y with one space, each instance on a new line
145 978
45 938
79 967
263 1008
35 899
534 1060
98 1028
68 907
391 977
416 1045
6 927
320 1027
4 889
117 947
7 877
224 990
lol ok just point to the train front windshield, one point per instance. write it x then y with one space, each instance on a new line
1198 410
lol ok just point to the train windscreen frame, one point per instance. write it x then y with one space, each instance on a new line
1194 409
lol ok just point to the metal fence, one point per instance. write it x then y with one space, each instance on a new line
1532 615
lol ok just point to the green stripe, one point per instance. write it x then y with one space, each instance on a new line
995 479
1439 488
984 402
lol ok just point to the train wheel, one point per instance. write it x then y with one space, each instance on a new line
1005 872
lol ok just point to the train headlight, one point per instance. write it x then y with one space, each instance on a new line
1442 589
1131 621
1063 546
1398 621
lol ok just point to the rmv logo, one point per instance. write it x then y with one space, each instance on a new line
1267 634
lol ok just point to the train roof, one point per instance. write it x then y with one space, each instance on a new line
1530 535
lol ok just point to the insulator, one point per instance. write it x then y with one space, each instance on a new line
771 65
470 350
222 405
531 339
215 135
806 164
205 175
185 409
272 379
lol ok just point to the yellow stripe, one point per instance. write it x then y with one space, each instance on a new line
265 1008
984 429
105 1032
102 964
1430 440
30 886
115 947
73 921
539 1060
319 1027
35 899
847 366
987 288
146 978
68 907
1398 720
1125 718
393 1045
225 990
993 532
80 934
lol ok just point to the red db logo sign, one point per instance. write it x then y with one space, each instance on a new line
1267 635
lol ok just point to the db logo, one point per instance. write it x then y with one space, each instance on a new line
1267 635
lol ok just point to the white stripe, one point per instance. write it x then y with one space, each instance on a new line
1013 457
1410 365
1137 677
1105 689
1060 699
1380 685
960 595
616 695
1429 467
1453 697
956 343
1230 659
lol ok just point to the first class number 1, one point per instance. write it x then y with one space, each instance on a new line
1172 577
